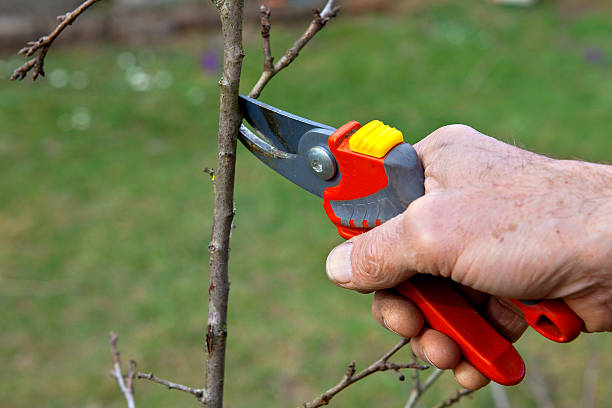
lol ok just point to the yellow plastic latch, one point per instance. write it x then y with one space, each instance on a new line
375 139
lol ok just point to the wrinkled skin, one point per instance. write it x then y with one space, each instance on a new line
500 221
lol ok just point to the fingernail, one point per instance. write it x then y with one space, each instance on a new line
426 357
338 265
389 328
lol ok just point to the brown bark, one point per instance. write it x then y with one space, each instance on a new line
230 12
43 44
351 376
270 69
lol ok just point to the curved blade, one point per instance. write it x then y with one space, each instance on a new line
281 129
281 139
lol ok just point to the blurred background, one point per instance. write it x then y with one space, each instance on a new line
105 212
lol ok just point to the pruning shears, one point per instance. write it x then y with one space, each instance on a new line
366 176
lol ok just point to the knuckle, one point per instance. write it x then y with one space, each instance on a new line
452 133
424 230
503 316
431 224
369 266
377 263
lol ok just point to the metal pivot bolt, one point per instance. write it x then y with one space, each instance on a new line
321 162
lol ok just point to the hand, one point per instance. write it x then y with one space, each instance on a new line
500 221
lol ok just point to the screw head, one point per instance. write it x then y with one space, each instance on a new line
321 162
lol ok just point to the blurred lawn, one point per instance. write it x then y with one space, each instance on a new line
105 212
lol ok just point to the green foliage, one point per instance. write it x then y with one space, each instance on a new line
105 211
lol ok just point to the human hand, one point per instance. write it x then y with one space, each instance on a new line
500 221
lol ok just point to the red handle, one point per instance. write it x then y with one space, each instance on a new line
553 319
373 189
448 312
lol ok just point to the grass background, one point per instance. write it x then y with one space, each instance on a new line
105 211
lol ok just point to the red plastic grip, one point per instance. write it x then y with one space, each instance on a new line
553 319
448 312
361 176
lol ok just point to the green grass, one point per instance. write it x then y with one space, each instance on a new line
106 226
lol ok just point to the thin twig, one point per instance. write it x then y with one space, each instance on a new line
198 393
419 390
264 13
126 383
210 171
499 395
539 386
320 19
129 382
117 373
454 399
432 379
591 373
416 380
45 42
382 364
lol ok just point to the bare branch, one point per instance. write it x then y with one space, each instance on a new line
264 13
330 10
126 383
454 399
416 380
198 393
349 378
45 42
539 386
129 382
230 118
418 390
499 395
210 171
230 12
127 391
320 19
591 373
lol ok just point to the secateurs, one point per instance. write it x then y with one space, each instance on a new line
366 176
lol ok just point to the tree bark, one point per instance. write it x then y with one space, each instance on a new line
230 12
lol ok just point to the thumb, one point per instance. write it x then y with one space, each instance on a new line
378 259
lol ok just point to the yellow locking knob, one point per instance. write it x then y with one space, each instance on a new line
375 139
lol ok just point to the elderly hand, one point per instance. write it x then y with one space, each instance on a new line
502 223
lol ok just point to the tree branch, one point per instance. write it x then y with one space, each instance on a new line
539 386
230 118
128 391
320 19
349 378
454 399
499 396
45 42
126 383
591 373
198 393
418 390
264 13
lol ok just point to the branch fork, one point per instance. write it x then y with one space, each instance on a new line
126 382
270 68
351 376
36 65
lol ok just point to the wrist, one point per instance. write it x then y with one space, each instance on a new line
586 191
595 210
